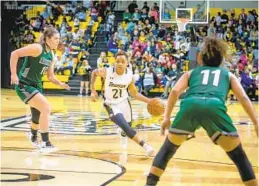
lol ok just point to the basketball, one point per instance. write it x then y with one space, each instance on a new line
156 107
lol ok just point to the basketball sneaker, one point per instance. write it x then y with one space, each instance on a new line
149 149
47 147
33 139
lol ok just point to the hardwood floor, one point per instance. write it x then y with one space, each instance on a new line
90 152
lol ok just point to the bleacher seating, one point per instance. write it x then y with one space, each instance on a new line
49 85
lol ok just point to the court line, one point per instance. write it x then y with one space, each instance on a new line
138 155
78 172
123 169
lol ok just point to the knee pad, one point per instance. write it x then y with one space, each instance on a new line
123 133
122 123
238 156
35 115
165 153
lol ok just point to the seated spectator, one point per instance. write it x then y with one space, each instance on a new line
110 18
81 16
58 64
113 45
138 80
120 31
36 25
144 15
154 13
76 22
253 37
243 58
29 38
94 14
150 48
130 27
126 16
75 48
142 38
159 73
171 76
67 65
149 80
167 15
248 84
250 18
255 56
136 16
67 7
125 41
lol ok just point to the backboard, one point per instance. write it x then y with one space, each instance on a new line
197 11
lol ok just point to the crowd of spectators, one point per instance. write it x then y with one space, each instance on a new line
68 19
158 53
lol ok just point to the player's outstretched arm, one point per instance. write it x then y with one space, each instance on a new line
179 87
244 100
97 72
135 94
33 50
52 78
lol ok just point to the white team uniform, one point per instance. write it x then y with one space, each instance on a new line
116 93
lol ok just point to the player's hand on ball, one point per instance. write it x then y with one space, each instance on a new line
65 86
14 79
165 125
155 107
94 96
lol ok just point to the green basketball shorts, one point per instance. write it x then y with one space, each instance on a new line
206 112
27 92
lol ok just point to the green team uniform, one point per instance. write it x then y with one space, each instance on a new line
31 73
204 105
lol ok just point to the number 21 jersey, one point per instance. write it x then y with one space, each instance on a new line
115 88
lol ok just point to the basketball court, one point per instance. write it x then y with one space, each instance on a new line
90 152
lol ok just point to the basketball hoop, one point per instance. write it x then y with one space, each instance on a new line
181 23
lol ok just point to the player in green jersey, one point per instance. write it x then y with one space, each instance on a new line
205 107
38 58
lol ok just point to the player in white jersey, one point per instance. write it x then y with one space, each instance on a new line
118 82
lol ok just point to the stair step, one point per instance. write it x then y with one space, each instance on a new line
97 50
101 45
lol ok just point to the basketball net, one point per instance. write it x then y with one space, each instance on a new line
181 23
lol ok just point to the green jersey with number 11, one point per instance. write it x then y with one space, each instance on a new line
209 82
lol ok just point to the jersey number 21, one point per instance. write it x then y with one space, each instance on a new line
117 93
